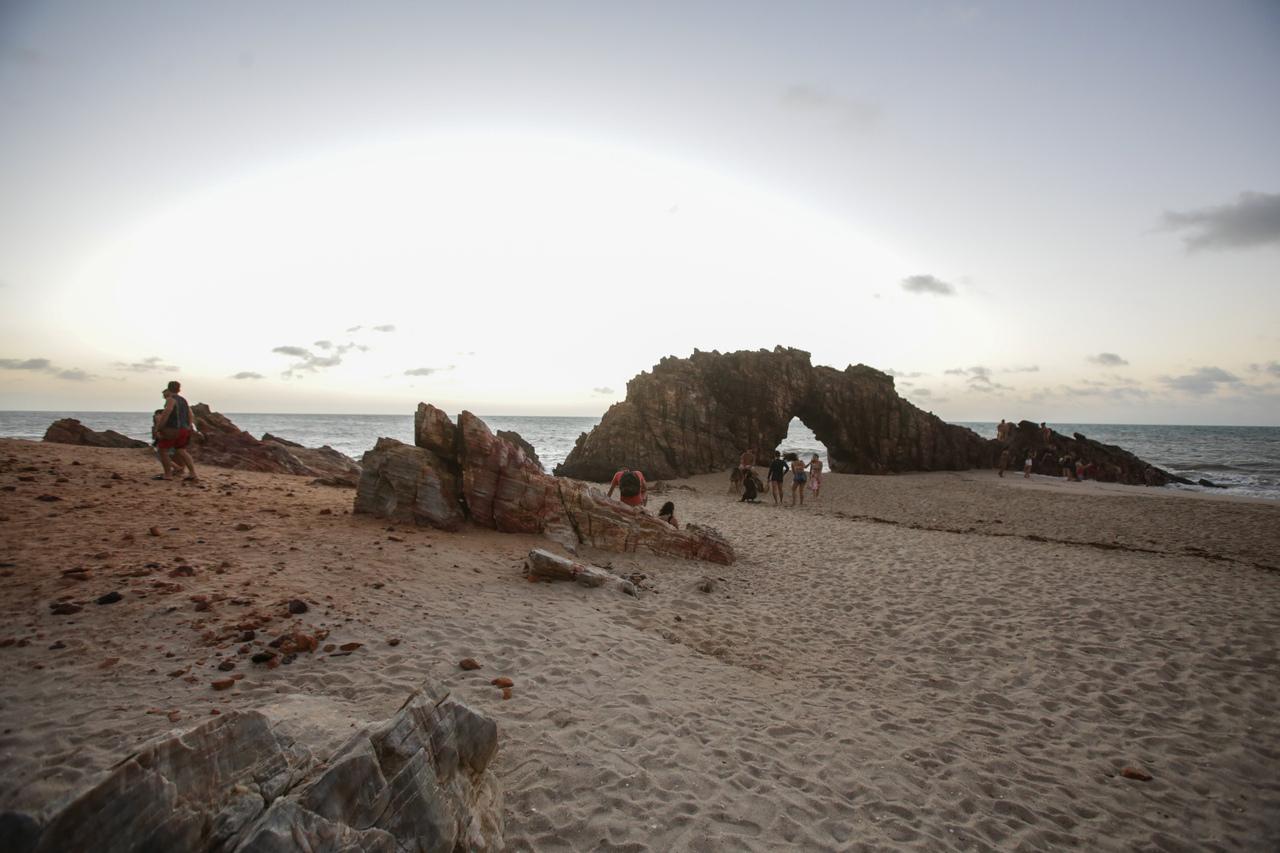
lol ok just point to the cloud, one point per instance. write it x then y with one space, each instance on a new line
25 364
602 390
979 378
247 374
1272 367
1118 388
422 371
355 328
848 113
387 328
927 284
296 352
1030 368
1108 359
1253 220
44 365
147 365
922 392
323 344
1202 380
310 362
900 375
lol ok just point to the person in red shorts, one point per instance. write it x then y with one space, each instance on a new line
630 485
174 427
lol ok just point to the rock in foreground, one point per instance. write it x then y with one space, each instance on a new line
464 472
71 431
419 781
225 445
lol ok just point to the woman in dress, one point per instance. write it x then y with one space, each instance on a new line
815 476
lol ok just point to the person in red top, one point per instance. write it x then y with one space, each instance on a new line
630 485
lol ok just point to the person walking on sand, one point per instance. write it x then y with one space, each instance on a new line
668 514
1027 466
1004 460
777 473
631 487
815 476
174 427
798 478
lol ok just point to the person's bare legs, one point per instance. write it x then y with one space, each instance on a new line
184 459
163 453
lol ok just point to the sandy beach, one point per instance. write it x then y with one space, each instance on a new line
927 661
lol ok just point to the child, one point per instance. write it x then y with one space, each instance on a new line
668 514
750 488
1026 466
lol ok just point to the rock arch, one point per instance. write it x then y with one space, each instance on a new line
696 415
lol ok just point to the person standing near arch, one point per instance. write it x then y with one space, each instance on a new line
777 473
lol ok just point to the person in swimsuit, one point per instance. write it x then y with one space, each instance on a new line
777 473
815 476
174 427
798 478
668 514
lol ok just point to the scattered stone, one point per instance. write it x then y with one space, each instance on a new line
223 684
248 636
707 585
326 512
58 645
469 663
48 498
110 598
394 641
64 608
350 647
174 716
178 673
506 693
263 657
502 681
1135 773
330 647
242 526
227 665
107 663
297 605
154 531
183 571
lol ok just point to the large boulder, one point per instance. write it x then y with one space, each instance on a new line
71 431
697 415
465 472
222 444
1109 463
418 781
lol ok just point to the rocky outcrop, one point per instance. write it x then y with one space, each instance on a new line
697 415
518 440
1106 462
71 431
462 472
222 444
419 781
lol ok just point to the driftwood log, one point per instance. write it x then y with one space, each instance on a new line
543 565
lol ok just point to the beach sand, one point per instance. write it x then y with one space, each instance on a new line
931 661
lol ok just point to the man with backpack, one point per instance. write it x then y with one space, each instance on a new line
630 485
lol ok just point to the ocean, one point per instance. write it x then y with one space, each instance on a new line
1245 459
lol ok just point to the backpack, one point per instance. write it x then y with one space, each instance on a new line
629 484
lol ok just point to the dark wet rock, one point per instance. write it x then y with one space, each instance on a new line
1209 484
64 608
297 605
110 598
71 431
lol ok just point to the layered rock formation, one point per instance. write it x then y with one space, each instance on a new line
696 415
71 431
225 445
1109 463
459 472
418 781
222 444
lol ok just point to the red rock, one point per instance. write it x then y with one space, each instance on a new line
297 606
154 531
108 663
394 641
1135 773
350 647
71 431
65 608
469 663
178 673
223 684
329 647
227 665
174 716
506 693
182 572
48 498
243 526
502 681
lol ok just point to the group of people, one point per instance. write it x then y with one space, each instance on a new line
172 428
1050 461
802 473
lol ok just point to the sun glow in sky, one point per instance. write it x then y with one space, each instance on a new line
346 212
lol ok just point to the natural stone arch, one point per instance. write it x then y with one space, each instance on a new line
696 415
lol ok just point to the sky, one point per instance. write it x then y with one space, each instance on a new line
1051 211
